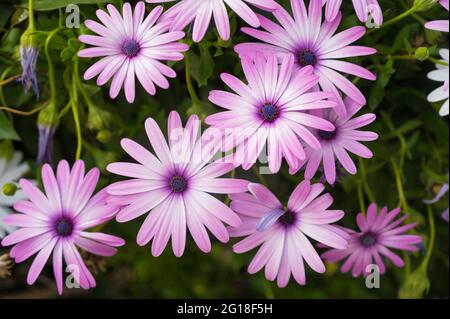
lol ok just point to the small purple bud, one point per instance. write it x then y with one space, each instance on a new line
269 219
439 195
445 215
46 134
28 59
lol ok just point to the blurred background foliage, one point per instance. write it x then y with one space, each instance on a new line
409 165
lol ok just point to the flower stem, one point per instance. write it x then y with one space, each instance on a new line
431 238
51 68
30 15
260 177
194 97
19 112
74 104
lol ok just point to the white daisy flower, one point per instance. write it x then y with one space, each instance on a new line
10 171
441 74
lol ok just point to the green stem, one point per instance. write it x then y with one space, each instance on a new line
194 97
74 103
430 247
413 57
366 186
51 68
395 19
401 194
30 15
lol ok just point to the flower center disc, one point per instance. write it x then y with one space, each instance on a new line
327 135
64 227
130 48
269 112
307 57
178 184
287 218
368 240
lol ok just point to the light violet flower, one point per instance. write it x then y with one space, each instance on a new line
271 108
131 46
364 10
439 25
441 74
173 187
336 144
10 171
281 231
201 12
56 222
378 233
442 191
313 44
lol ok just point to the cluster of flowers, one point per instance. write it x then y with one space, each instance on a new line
296 101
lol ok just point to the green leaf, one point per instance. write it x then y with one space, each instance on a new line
7 131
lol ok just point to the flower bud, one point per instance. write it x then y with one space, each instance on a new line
47 124
422 53
9 189
28 58
422 5
104 136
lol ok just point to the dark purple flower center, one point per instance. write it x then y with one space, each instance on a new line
178 184
287 219
64 227
131 48
307 57
269 112
327 135
368 240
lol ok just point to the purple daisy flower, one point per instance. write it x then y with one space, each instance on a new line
336 144
174 187
131 46
281 230
313 44
362 8
271 108
201 12
57 222
378 233
439 25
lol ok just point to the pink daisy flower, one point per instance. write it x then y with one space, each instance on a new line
313 44
57 222
336 144
174 187
270 108
131 46
363 9
378 233
439 25
281 230
201 12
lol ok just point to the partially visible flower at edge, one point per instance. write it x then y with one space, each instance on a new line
439 25
55 221
11 169
441 74
363 8
201 12
442 191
